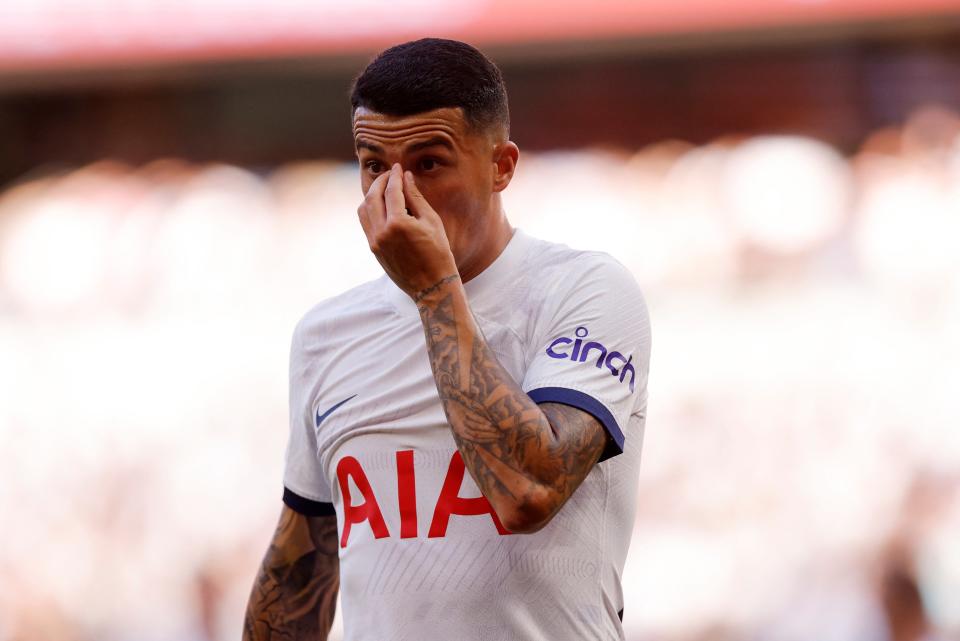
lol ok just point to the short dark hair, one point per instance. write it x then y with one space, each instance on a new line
433 73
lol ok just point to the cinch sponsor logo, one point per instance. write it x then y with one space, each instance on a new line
614 361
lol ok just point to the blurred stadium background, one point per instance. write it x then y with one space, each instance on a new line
782 176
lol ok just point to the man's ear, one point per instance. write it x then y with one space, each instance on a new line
505 157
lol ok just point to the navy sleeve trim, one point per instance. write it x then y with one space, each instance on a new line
588 404
307 507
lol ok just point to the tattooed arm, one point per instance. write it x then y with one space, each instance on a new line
526 459
295 594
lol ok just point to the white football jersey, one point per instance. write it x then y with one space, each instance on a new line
422 555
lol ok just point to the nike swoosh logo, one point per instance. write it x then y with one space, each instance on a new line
330 411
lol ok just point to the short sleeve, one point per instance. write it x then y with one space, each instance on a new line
592 345
305 487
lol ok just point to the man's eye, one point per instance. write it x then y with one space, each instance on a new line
428 164
374 166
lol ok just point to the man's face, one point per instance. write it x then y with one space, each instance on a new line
454 167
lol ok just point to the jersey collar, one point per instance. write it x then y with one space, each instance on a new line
488 282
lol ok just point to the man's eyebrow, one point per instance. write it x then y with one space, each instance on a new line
363 144
430 142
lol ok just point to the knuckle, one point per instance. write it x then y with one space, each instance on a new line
398 226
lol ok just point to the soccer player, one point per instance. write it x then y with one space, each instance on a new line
465 431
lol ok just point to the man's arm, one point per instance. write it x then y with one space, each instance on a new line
526 459
295 594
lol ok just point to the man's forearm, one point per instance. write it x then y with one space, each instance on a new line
507 442
295 593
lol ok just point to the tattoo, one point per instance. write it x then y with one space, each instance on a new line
294 596
519 453
423 293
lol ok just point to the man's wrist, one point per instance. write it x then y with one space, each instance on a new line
432 293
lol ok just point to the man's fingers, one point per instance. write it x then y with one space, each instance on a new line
393 195
365 221
377 187
373 204
416 203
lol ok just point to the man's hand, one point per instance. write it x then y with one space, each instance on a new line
406 234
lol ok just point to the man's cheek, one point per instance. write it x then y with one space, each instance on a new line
447 197
436 198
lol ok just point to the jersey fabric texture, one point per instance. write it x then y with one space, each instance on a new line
422 554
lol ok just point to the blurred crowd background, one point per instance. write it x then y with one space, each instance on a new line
783 179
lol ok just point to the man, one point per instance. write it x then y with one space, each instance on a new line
466 430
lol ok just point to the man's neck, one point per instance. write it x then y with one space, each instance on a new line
496 240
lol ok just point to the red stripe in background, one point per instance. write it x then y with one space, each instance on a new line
54 35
